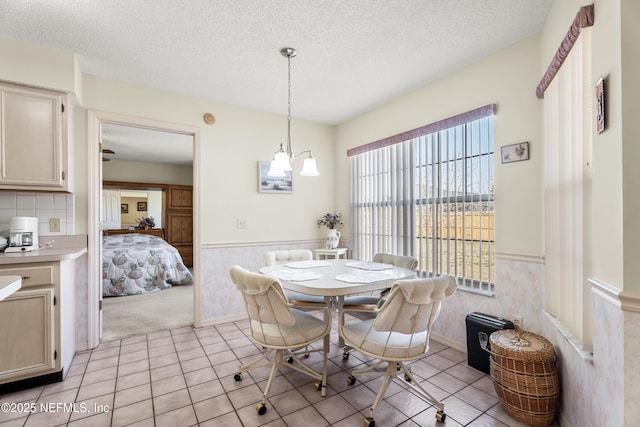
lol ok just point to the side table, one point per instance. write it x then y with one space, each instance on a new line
335 253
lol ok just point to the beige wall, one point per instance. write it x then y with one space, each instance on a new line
154 173
36 65
130 218
630 111
230 151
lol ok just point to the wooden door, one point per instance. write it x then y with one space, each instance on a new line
111 210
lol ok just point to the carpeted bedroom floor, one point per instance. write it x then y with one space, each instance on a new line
141 314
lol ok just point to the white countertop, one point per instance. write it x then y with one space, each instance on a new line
8 285
64 248
42 255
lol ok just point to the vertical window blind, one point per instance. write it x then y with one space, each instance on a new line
431 196
567 142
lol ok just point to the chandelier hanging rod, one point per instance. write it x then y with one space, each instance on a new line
284 157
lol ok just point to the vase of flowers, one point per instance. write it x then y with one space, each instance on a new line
146 223
332 222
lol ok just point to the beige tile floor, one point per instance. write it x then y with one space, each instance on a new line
184 377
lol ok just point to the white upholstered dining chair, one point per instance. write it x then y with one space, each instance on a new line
280 329
402 261
399 333
364 307
286 256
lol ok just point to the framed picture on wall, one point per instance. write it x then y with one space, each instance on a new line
515 152
271 184
124 208
142 206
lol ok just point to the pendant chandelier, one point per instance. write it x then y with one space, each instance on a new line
283 158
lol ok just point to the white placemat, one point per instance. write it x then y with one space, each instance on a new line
364 265
307 264
362 277
295 275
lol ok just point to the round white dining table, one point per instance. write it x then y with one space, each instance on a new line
336 278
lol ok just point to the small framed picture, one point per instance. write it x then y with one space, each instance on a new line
142 206
600 105
124 208
515 152
273 184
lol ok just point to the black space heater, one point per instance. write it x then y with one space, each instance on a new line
479 327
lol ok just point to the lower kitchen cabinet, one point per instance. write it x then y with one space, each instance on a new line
37 323
27 323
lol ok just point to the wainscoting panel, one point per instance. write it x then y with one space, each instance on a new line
518 291
219 297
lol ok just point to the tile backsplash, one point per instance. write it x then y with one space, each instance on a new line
41 205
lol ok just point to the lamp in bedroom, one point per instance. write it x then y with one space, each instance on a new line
284 157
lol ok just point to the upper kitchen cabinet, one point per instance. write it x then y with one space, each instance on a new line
34 139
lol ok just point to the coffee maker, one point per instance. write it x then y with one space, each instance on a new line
23 234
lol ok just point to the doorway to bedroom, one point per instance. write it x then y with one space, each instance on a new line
132 179
147 281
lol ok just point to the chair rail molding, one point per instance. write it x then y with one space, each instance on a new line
625 300
510 256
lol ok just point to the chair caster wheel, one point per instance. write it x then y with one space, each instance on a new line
290 360
407 378
369 422
318 385
262 408
441 416
238 377
345 356
306 355
351 380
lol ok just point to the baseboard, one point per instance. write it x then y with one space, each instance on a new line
32 382
82 346
448 342
225 319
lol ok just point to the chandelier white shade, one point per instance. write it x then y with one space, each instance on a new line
284 157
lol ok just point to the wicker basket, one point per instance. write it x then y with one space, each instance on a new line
523 368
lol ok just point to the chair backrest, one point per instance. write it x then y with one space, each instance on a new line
414 304
283 257
264 297
397 260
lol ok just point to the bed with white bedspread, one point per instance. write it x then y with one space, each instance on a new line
134 264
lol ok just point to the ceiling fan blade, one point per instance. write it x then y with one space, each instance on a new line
104 159
107 151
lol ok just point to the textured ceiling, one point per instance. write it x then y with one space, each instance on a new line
352 54
146 145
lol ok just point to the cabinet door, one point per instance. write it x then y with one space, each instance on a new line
180 197
27 333
181 229
32 131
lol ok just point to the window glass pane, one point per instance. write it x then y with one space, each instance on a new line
450 221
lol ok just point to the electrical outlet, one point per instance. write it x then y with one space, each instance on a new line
241 223
517 321
54 224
